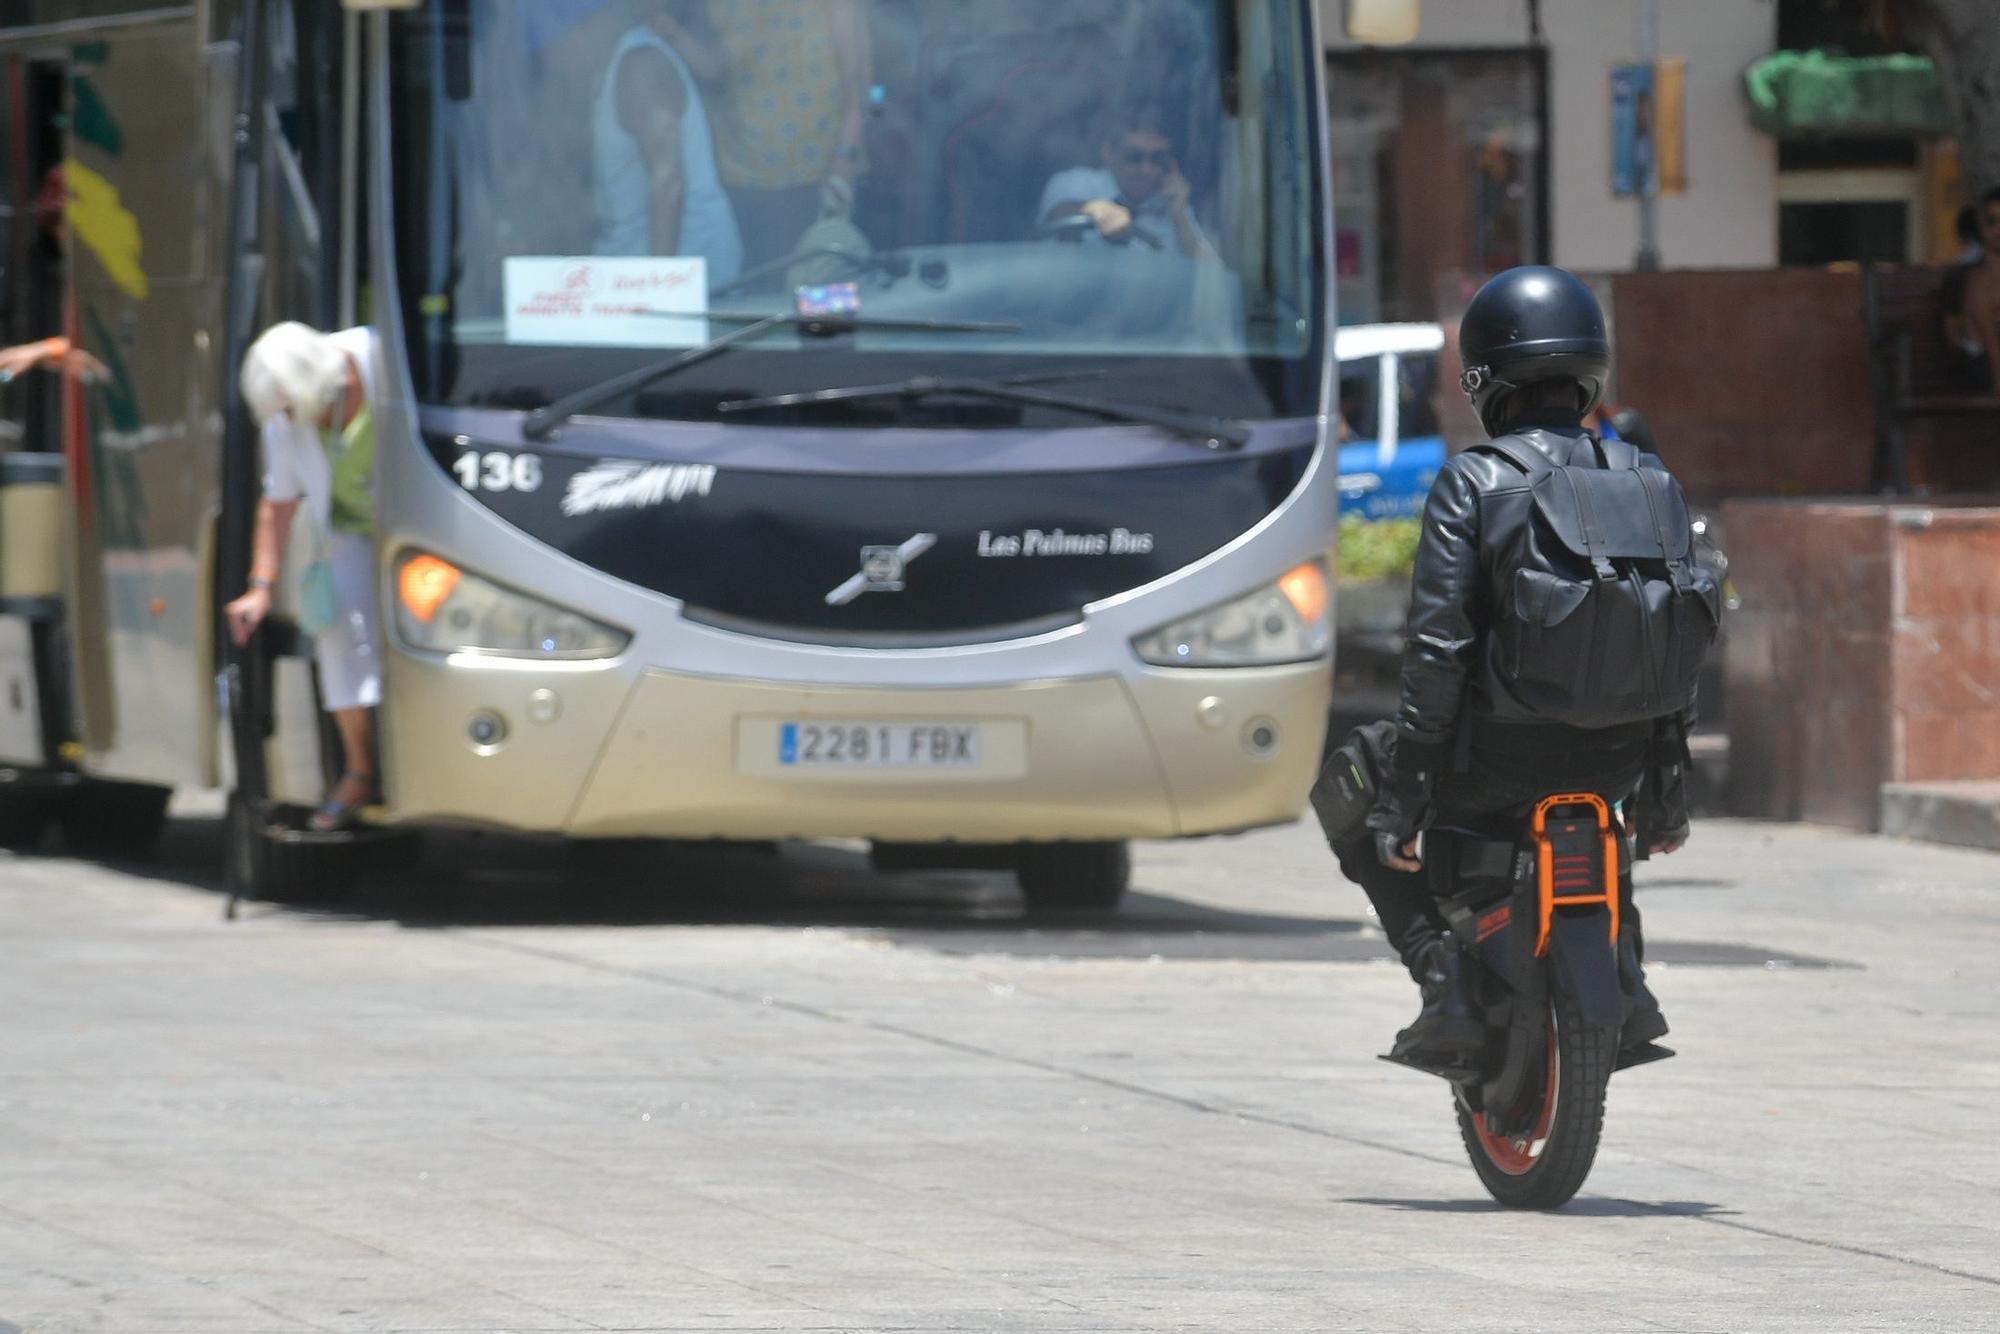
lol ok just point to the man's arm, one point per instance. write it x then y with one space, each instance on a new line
1067 193
52 354
652 98
1951 301
1447 617
1662 798
1193 244
1982 315
1179 195
244 614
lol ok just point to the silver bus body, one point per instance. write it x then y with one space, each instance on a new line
682 731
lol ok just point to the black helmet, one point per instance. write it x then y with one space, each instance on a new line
1528 324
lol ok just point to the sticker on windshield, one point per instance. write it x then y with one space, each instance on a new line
825 300
607 300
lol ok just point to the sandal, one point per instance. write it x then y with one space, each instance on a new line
342 807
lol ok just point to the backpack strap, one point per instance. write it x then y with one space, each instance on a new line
1593 534
1652 481
1619 454
1539 466
1625 454
1592 531
1519 453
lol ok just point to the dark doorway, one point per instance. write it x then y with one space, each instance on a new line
1832 233
31 286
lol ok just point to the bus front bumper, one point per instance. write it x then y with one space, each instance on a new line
593 752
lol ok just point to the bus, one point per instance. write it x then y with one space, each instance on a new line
889 420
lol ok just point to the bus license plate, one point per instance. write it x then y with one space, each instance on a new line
862 745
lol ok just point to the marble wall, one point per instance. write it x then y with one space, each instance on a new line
1866 651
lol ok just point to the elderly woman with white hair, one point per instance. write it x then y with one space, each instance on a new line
312 394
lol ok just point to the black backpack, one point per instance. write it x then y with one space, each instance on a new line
1606 616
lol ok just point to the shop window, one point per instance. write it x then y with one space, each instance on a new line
1832 217
1439 166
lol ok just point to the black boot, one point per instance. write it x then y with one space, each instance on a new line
1448 1028
1644 1024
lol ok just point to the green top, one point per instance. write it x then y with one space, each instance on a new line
352 459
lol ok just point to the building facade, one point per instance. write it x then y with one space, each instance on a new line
1494 140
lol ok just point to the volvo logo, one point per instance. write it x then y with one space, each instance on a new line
881 570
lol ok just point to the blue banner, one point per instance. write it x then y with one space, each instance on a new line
1633 119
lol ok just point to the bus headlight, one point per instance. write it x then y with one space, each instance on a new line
1282 622
444 609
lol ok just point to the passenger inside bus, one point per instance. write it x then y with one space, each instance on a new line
653 159
53 354
794 80
918 155
313 396
1135 192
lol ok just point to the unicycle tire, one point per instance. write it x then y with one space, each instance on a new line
1548 1167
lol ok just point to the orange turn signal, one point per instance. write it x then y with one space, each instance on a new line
424 583
1304 586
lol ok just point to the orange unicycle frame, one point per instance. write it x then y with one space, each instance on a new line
1561 878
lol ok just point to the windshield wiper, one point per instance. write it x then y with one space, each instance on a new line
1213 432
538 424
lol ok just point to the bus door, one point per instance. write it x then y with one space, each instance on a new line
36 713
137 443
292 190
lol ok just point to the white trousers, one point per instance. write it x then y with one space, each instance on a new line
350 671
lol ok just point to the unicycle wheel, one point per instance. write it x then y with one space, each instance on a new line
1545 1165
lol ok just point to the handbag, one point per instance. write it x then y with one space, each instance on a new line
313 602
350 465
1351 779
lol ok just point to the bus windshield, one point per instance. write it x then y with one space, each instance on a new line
1123 189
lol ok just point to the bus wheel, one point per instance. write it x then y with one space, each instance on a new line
1073 877
892 858
24 818
114 819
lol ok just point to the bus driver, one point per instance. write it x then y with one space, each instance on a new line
1136 190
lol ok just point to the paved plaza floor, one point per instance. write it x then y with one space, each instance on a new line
527 1088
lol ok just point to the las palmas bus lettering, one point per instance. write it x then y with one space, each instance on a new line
1056 542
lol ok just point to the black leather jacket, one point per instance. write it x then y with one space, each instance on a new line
1475 521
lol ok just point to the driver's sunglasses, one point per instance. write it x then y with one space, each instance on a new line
1154 157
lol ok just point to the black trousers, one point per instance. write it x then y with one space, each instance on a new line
1493 797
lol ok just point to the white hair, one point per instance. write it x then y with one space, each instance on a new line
292 370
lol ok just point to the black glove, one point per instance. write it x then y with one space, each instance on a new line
1662 796
1405 798
1389 851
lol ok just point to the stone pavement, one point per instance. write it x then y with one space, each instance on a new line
650 1090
